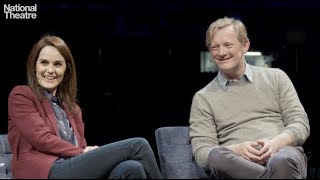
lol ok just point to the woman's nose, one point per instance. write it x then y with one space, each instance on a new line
50 69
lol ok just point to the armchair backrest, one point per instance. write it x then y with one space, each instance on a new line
175 154
5 157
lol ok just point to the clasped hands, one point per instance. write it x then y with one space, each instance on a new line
255 151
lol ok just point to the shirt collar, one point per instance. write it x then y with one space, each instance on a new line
247 73
51 97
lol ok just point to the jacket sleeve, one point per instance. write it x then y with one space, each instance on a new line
33 128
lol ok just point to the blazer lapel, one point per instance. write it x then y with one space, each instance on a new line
72 122
51 115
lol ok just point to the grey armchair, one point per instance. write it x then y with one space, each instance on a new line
175 154
5 157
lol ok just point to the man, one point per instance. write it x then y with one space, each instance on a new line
248 122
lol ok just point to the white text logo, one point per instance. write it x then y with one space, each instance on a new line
18 11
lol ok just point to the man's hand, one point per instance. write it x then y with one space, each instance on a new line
266 150
261 150
246 150
269 147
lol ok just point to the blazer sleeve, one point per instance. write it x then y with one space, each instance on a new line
36 130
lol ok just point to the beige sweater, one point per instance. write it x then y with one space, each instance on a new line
246 111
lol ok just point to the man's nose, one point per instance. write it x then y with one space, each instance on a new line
222 51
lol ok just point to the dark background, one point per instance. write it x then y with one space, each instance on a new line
138 61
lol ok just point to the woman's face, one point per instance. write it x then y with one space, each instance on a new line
50 68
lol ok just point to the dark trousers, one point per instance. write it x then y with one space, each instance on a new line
287 163
127 159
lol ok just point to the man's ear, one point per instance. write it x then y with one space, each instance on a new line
246 46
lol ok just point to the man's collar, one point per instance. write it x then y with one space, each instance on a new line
247 73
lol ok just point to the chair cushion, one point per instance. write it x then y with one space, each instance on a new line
2 165
177 153
5 157
5 147
178 170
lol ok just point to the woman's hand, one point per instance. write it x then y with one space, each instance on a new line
89 148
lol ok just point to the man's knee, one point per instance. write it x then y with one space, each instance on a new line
288 156
217 154
217 157
287 163
280 160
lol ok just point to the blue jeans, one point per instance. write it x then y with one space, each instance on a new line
126 159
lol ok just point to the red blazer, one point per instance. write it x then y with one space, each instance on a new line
34 137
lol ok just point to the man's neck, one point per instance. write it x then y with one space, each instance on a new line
235 75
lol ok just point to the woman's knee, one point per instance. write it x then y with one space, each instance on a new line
128 169
134 165
134 169
140 142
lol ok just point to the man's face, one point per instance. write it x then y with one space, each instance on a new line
227 51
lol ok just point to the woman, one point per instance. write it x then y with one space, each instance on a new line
46 131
